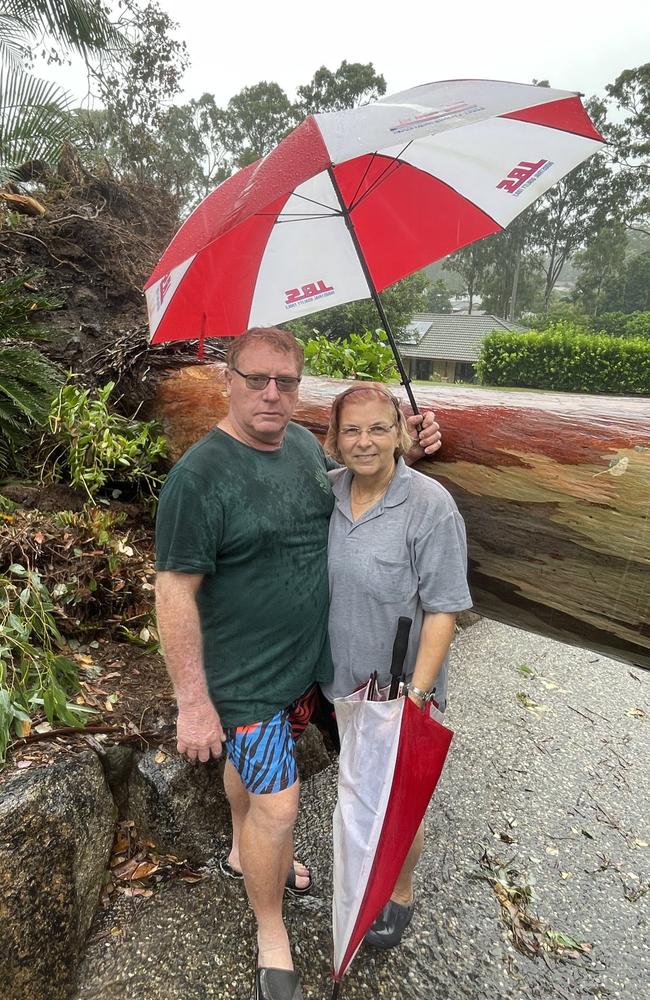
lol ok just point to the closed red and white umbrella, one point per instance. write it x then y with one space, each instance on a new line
392 755
352 201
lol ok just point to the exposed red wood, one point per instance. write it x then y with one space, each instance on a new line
554 489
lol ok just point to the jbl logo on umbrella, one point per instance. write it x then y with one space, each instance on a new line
523 175
163 288
314 290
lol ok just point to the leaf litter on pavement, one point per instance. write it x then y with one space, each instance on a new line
530 935
136 868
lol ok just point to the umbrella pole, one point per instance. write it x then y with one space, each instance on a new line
336 992
406 382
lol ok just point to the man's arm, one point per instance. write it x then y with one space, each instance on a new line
198 729
426 435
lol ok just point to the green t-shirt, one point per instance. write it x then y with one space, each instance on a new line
255 524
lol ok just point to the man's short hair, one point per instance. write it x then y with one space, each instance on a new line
272 336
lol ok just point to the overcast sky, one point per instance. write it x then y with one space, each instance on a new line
576 45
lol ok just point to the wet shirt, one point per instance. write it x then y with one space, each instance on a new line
255 524
405 556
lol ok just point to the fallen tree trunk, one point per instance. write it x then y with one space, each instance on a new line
554 489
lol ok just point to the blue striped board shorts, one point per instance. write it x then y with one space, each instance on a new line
264 753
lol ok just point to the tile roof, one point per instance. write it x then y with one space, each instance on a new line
449 336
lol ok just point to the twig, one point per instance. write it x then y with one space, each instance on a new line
146 737
582 714
64 731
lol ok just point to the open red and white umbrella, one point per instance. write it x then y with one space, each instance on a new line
351 201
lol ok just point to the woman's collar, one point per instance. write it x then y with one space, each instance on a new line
398 488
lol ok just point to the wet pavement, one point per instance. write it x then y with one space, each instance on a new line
548 775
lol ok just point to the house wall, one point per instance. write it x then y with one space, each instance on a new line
444 369
441 368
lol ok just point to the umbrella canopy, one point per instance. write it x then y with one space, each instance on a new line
392 755
351 201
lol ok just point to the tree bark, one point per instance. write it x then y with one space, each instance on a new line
554 489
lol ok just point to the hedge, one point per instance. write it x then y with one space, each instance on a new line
617 324
566 360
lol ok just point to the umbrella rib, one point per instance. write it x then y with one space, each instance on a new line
297 216
395 162
365 174
306 218
319 204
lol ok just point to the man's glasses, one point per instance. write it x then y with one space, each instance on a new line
377 432
284 383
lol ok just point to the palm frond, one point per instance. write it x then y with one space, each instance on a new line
13 44
35 118
82 25
28 383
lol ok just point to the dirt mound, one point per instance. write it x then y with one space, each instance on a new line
94 246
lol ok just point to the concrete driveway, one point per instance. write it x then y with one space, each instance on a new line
547 788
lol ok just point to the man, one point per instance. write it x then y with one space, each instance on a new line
242 605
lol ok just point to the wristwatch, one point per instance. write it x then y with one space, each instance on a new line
419 693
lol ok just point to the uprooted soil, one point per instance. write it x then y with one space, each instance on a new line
92 250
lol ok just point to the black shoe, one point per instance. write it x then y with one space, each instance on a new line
388 928
277 984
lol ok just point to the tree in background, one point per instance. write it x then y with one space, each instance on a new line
35 115
437 297
630 139
258 117
601 266
136 89
349 86
513 277
576 208
471 263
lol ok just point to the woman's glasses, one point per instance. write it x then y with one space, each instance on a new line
376 432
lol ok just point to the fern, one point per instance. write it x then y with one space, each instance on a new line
28 383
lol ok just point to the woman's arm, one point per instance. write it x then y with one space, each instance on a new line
435 639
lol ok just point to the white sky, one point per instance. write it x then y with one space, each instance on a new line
577 45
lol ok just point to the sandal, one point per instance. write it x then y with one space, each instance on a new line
289 886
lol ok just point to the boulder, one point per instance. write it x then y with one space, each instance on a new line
56 832
182 807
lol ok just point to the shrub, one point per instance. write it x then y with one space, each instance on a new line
99 448
635 325
615 324
567 359
34 675
359 356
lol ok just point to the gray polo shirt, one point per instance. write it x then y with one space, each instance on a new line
405 556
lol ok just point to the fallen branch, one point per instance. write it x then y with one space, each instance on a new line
53 734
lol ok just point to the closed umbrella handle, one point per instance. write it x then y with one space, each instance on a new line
400 646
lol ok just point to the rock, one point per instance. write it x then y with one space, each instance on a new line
117 761
311 754
467 618
182 807
56 831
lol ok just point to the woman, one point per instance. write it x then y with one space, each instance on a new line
396 547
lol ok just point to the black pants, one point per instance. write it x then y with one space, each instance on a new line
324 719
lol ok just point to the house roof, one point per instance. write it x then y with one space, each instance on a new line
444 335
